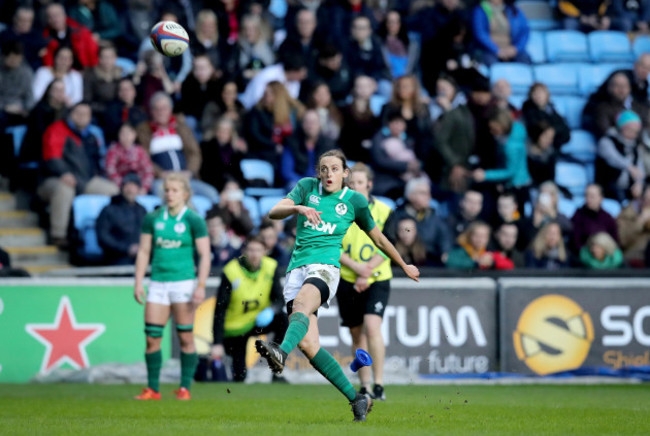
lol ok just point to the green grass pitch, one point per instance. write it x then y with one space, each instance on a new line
262 409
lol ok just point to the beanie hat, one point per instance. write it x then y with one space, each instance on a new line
626 117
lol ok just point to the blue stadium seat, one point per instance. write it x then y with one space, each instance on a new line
517 100
257 169
611 206
264 192
566 46
591 76
561 79
201 204
567 207
251 204
570 107
377 102
86 209
520 76
266 203
17 133
572 176
536 47
581 147
149 202
388 201
609 46
641 45
539 14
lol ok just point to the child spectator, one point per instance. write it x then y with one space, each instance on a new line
547 249
126 157
538 107
601 252
472 251
222 155
619 165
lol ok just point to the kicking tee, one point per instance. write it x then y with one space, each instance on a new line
322 243
172 243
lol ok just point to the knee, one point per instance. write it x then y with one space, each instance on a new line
153 344
309 347
186 341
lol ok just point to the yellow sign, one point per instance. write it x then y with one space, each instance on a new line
553 334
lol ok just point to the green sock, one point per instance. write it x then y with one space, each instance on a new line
154 363
325 363
188 368
298 326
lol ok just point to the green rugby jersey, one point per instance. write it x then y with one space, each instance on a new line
172 243
322 243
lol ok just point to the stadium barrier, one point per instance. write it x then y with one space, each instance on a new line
437 328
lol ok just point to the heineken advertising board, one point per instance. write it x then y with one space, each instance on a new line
71 324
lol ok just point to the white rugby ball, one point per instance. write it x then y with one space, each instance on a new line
169 38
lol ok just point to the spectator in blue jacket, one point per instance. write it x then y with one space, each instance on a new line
500 32
118 224
512 170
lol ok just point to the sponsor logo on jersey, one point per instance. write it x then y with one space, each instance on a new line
160 226
166 243
322 227
314 199
341 209
179 227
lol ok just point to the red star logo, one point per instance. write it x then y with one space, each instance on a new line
65 340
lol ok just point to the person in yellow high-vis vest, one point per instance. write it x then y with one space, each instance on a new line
365 285
249 303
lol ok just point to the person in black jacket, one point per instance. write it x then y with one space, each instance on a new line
538 108
118 224
256 307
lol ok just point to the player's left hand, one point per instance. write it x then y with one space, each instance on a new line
199 295
412 272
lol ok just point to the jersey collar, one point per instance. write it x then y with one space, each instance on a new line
177 217
342 191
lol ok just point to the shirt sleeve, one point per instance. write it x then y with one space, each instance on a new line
147 224
199 228
362 215
299 191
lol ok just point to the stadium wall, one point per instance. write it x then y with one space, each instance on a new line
439 327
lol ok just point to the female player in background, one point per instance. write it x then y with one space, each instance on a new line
171 233
325 209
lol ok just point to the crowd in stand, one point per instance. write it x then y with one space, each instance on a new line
473 176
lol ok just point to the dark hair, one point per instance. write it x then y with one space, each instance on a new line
402 35
508 194
254 238
292 61
328 52
106 45
12 47
535 130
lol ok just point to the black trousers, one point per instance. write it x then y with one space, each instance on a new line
236 346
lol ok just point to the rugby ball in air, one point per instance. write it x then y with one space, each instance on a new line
169 38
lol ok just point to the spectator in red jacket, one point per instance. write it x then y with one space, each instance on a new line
126 157
62 30
71 164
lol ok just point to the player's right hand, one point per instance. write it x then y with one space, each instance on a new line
412 272
138 293
311 214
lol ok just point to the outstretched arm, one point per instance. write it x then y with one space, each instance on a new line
286 207
382 242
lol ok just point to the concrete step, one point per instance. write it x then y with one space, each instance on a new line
18 218
40 269
37 255
21 237
7 201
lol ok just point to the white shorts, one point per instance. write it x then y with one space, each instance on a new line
296 278
168 293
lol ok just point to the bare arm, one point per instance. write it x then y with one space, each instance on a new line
382 242
203 248
286 207
141 263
